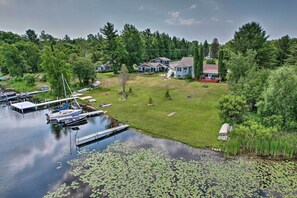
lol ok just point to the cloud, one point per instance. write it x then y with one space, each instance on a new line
229 21
176 19
214 19
192 7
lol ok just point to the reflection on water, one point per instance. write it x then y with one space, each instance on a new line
34 154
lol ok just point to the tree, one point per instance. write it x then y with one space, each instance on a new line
283 49
109 35
120 55
32 36
292 57
232 109
200 63
206 48
123 77
11 60
221 65
239 65
279 98
134 45
54 63
214 49
83 68
197 71
31 55
251 36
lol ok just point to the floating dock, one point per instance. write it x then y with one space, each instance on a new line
21 106
80 141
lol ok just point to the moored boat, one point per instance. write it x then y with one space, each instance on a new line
63 114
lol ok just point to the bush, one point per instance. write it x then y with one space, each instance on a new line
210 61
131 91
29 79
232 109
188 78
167 95
150 102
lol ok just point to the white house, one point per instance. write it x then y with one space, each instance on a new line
152 67
182 68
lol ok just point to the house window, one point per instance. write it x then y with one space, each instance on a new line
185 69
178 69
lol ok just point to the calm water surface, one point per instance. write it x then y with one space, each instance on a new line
34 154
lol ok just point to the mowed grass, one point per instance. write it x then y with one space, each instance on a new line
196 121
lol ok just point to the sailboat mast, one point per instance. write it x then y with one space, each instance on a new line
71 93
63 80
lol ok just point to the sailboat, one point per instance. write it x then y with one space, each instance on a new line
63 113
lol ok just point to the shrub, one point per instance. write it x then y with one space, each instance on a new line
150 102
29 79
232 109
167 95
131 91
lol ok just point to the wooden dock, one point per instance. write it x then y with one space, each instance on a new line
80 141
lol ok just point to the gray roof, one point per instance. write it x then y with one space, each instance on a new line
162 58
152 65
184 62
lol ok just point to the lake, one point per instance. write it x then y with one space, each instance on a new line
34 154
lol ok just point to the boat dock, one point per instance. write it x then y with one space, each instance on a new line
92 113
80 141
21 106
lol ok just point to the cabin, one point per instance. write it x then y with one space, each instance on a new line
182 68
152 67
223 133
162 60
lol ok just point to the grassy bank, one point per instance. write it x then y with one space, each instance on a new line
196 121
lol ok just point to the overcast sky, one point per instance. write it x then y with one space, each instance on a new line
189 19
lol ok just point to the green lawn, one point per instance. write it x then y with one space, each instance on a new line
196 121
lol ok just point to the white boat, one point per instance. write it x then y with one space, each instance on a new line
63 113
55 116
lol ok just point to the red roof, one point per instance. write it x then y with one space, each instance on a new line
210 69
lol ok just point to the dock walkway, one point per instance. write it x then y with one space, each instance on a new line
90 138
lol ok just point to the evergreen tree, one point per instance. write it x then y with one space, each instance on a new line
206 48
109 35
197 69
134 45
200 65
283 48
214 48
221 65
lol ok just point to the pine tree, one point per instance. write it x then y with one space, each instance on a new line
221 65
197 70
214 48
200 65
